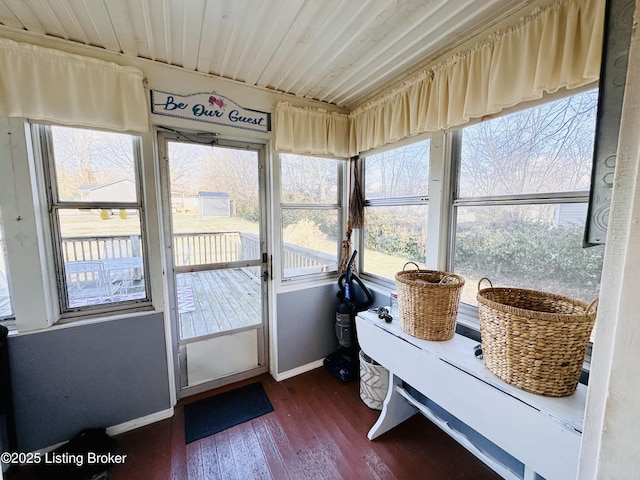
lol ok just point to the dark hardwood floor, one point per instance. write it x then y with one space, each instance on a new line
317 431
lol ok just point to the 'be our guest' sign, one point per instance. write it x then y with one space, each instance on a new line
210 108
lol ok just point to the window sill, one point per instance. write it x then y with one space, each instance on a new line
305 282
468 325
112 314
85 319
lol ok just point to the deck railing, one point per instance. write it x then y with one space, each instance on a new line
203 248
195 249
100 247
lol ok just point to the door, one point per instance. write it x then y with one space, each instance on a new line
213 200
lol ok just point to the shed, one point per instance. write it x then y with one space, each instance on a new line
214 204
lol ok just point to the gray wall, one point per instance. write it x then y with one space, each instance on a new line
306 325
103 374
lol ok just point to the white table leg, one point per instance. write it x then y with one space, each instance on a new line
395 410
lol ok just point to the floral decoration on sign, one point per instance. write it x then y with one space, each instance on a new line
216 101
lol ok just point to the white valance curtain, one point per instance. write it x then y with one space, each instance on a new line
556 47
45 84
311 130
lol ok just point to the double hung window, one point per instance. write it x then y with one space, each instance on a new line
95 207
521 199
311 210
396 188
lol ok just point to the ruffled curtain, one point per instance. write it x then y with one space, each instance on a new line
556 47
45 84
311 131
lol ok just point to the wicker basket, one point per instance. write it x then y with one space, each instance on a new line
428 302
534 340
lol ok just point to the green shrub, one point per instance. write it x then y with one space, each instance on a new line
528 254
397 236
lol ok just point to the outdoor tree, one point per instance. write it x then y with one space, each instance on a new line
306 179
537 150
90 158
400 172
184 163
234 172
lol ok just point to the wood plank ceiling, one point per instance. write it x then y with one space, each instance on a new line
341 52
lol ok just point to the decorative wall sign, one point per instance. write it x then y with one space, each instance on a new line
210 108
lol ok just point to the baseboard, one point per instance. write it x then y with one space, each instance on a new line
297 371
140 422
123 427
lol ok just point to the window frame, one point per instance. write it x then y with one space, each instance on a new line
337 207
42 139
7 319
413 200
468 314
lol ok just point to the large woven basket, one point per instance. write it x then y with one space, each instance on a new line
534 340
428 302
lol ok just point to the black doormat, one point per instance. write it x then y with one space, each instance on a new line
215 414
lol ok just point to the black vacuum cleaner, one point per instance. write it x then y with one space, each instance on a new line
353 297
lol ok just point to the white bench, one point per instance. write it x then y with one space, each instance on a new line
541 433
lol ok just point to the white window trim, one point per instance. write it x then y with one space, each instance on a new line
442 204
468 314
40 135
434 200
33 299
285 284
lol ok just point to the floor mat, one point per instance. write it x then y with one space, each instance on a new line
215 414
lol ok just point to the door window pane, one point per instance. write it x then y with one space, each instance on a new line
215 204
215 220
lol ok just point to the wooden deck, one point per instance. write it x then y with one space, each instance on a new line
218 300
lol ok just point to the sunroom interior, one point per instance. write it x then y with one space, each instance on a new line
182 182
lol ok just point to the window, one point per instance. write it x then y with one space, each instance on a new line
311 212
6 309
521 202
396 186
95 207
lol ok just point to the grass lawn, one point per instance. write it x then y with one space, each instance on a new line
90 223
